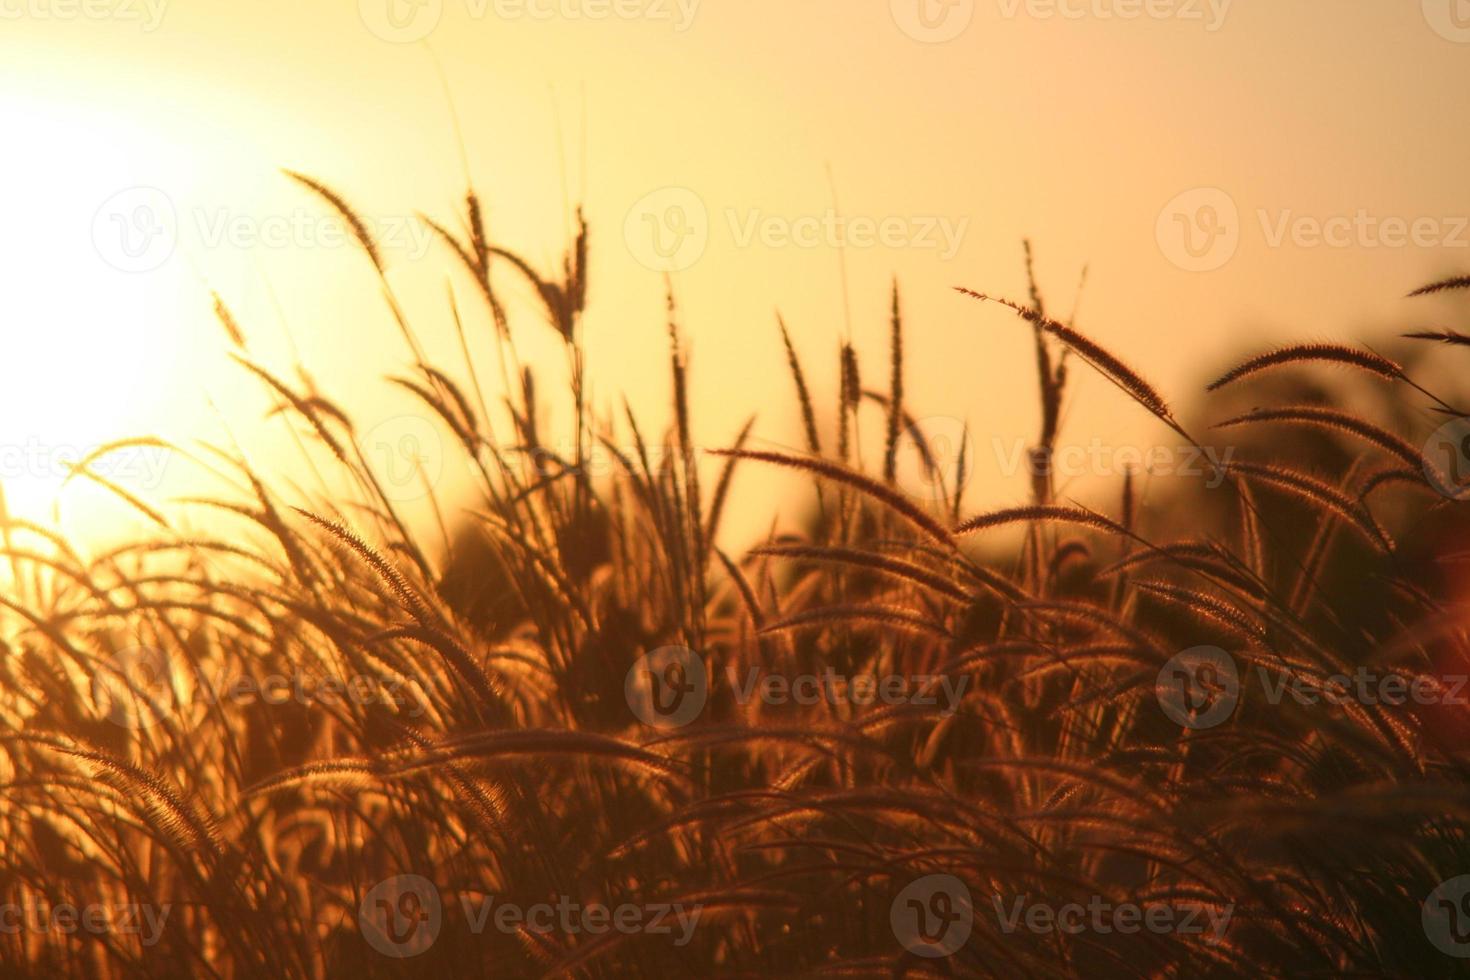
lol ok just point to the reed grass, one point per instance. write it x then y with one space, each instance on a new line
492 750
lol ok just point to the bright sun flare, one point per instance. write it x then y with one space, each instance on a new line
90 306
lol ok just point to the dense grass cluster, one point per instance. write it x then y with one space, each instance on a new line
481 734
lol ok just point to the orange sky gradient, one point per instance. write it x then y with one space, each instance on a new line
1232 173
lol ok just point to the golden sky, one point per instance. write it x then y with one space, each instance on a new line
1231 172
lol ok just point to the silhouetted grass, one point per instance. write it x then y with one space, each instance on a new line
490 747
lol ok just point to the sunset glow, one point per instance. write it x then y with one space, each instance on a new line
661 488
